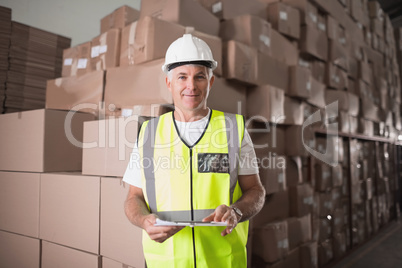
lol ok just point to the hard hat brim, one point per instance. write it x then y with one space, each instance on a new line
209 64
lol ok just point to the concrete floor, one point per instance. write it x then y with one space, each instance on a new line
383 251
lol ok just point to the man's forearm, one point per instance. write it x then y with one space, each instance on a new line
136 210
251 202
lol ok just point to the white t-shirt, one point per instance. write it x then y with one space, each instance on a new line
190 132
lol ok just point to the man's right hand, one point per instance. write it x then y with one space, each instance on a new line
159 233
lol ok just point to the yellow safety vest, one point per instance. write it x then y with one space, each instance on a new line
183 182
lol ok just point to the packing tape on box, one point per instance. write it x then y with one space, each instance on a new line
103 43
131 34
131 43
74 68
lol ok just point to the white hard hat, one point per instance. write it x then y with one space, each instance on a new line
188 50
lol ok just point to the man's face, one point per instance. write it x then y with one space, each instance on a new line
189 85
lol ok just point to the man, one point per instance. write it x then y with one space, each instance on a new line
203 178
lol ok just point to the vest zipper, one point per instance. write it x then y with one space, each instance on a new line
192 208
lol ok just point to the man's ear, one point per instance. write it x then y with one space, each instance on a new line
168 83
211 81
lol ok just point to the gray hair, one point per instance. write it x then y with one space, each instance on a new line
210 73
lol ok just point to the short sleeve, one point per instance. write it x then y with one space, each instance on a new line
248 161
132 175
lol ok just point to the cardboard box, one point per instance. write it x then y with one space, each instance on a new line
317 93
291 260
188 13
266 135
323 178
240 62
338 221
300 82
147 39
293 111
365 72
125 86
313 42
318 70
336 77
74 222
366 127
377 27
301 200
228 9
54 255
19 203
77 93
308 255
76 60
271 171
19 251
299 231
337 54
322 22
337 176
308 12
120 240
368 110
105 50
354 124
276 208
294 171
119 18
285 19
108 263
249 30
266 102
315 226
110 143
325 252
325 229
233 93
339 243
332 28
270 242
283 50
330 146
298 138
346 101
47 149
272 72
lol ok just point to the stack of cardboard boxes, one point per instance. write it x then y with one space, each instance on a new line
5 35
34 57
282 64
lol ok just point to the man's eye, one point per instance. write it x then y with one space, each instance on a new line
182 77
200 77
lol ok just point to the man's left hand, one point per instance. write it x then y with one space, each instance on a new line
224 213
